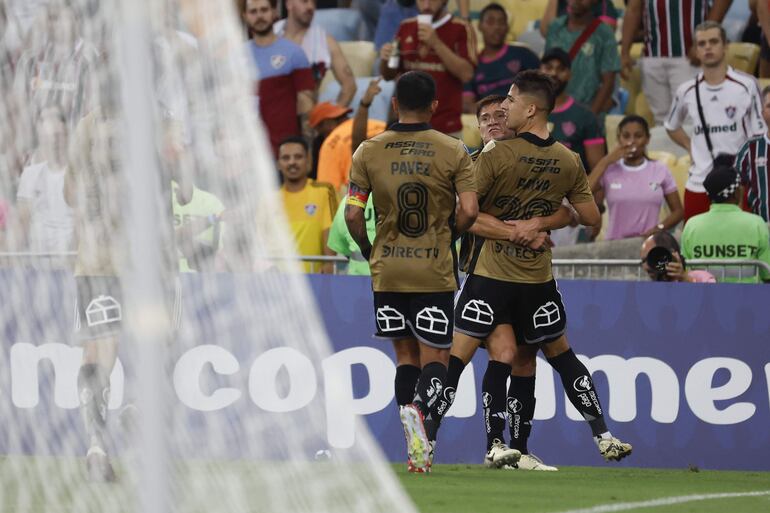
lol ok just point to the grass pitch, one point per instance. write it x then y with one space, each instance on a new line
475 489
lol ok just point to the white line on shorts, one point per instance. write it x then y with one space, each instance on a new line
666 501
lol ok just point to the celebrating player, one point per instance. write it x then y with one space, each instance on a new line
415 174
510 297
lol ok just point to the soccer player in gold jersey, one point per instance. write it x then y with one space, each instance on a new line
424 196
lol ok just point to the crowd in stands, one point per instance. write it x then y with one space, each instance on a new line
650 94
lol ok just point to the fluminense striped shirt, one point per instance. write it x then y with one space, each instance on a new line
669 25
752 165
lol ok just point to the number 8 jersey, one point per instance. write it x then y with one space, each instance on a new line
414 174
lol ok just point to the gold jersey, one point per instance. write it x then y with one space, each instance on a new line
522 178
414 174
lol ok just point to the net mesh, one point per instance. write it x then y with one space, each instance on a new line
133 158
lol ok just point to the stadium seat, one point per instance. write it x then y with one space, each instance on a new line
642 108
681 172
534 40
380 105
341 24
764 82
471 135
360 56
611 122
667 158
660 141
634 83
522 13
743 56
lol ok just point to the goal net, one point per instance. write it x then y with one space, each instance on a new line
161 352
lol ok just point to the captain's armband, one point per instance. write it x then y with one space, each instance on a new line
357 196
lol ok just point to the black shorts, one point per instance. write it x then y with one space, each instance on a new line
535 310
99 307
427 316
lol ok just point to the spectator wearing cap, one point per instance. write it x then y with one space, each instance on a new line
666 262
573 124
593 52
605 10
498 62
335 128
669 52
752 166
725 231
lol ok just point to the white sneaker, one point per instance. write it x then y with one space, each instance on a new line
531 462
613 449
417 445
500 454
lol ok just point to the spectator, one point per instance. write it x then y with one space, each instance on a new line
198 229
393 12
725 231
336 128
669 54
498 62
286 87
574 125
593 53
309 205
720 98
752 166
635 187
666 262
321 49
46 223
444 48
604 10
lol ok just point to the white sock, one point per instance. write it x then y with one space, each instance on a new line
604 436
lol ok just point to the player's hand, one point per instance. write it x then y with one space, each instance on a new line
675 270
373 90
627 64
427 34
620 151
525 231
386 51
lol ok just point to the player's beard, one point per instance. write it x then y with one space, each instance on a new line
560 87
266 30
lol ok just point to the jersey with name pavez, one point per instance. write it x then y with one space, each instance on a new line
522 178
413 172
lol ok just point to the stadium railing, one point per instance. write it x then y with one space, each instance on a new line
572 268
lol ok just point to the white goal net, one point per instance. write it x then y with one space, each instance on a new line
138 192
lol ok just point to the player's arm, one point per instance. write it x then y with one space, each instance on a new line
720 8
457 65
533 232
355 219
467 211
305 102
631 21
361 119
342 73
675 120
587 213
604 95
680 137
548 16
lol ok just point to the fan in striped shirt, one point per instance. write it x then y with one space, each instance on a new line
751 163
669 31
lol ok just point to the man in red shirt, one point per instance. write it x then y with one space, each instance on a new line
286 89
444 48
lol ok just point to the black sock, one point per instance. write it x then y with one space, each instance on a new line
521 410
430 388
493 393
455 370
580 389
94 394
406 383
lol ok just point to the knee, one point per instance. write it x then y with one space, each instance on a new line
524 366
502 354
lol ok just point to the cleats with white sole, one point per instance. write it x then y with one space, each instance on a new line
500 455
417 445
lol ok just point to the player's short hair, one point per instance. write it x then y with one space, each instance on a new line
295 139
765 92
488 100
539 85
633 118
415 91
494 6
711 24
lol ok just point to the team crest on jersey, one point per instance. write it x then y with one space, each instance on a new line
588 49
408 39
311 208
654 186
277 61
514 66
569 128
730 111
